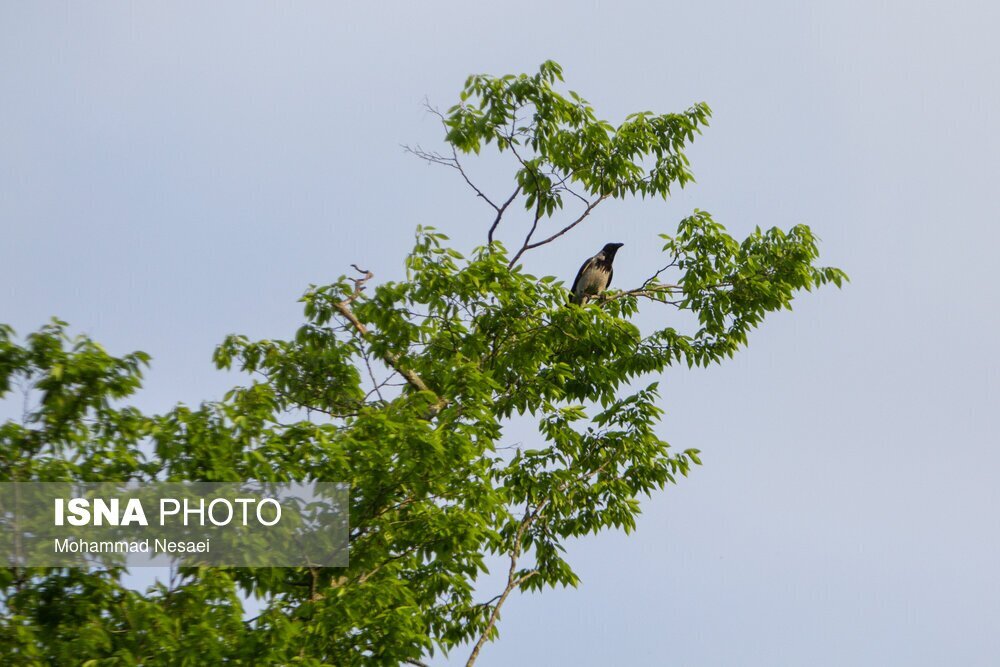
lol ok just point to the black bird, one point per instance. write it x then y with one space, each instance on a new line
595 274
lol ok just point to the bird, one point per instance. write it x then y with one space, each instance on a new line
595 274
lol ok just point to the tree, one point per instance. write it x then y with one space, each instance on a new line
404 389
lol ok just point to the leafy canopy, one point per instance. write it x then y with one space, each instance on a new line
406 390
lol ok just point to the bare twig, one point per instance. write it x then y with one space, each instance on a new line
650 280
500 212
573 192
531 232
530 246
650 289
465 177
454 163
431 157
376 385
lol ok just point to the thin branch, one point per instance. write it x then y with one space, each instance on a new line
453 161
376 386
530 516
512 583
650 289
590 207
465 177
651 292
576 194
500 212
530 246
391 358
428 156
650 280
534 226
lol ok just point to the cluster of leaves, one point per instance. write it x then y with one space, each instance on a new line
567 142
406 391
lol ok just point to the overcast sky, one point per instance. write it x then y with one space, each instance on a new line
173 172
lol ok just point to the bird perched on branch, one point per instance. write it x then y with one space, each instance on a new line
595 274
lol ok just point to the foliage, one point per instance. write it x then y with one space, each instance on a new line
406 390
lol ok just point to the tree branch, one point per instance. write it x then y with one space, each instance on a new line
650 288
453 162
500 212
530 246
392 359
531 232
512 583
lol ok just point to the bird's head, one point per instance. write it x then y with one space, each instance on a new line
610 249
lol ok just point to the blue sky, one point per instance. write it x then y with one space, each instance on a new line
173 172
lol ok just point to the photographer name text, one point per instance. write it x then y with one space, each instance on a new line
158 546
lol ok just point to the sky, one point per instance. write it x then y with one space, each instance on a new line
174 172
